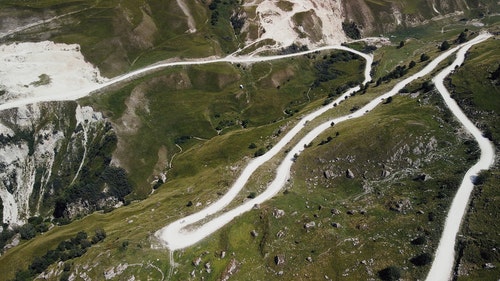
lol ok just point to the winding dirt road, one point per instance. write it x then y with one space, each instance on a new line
175 236
445 254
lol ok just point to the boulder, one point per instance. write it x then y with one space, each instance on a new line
309 225
328 174
385 173
197 261
254 233
349 174
277 213
335 211
279 259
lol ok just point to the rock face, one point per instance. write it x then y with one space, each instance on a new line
44 150
392 15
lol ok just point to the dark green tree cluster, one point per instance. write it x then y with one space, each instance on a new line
444 46
182 139
495 76
462 37
237 22
292 49
91 191
220 9
391 273
214 18
325 69
66 250
6 235
422 259
351 30
93 177
398 72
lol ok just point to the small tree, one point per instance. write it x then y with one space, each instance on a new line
444 46
391 273
422 259
462 38
412 64
401 44
27 231
100 234
424 57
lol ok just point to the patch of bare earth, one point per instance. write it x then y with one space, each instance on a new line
129 124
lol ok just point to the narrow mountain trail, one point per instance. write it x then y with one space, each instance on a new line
445 254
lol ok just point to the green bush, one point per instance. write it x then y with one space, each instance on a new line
391 273
444 46
27 231
351 30
422 259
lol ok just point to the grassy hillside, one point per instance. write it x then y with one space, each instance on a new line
182 108
200 125
476 89
384 213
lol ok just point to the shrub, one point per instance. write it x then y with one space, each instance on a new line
422 259
424 57
419 240
351 30
444 46
27 231
259 152
462 38
391 273
100 234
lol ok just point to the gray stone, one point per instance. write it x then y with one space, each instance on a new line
335 211
349 174
279 259
277 213
197 261
309 225
328 174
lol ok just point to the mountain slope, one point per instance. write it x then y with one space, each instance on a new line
170 142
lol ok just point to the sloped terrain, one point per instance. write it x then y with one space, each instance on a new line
366 198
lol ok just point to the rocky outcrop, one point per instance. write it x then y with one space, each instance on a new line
279 259
388 16
349 174
278 213
44 149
